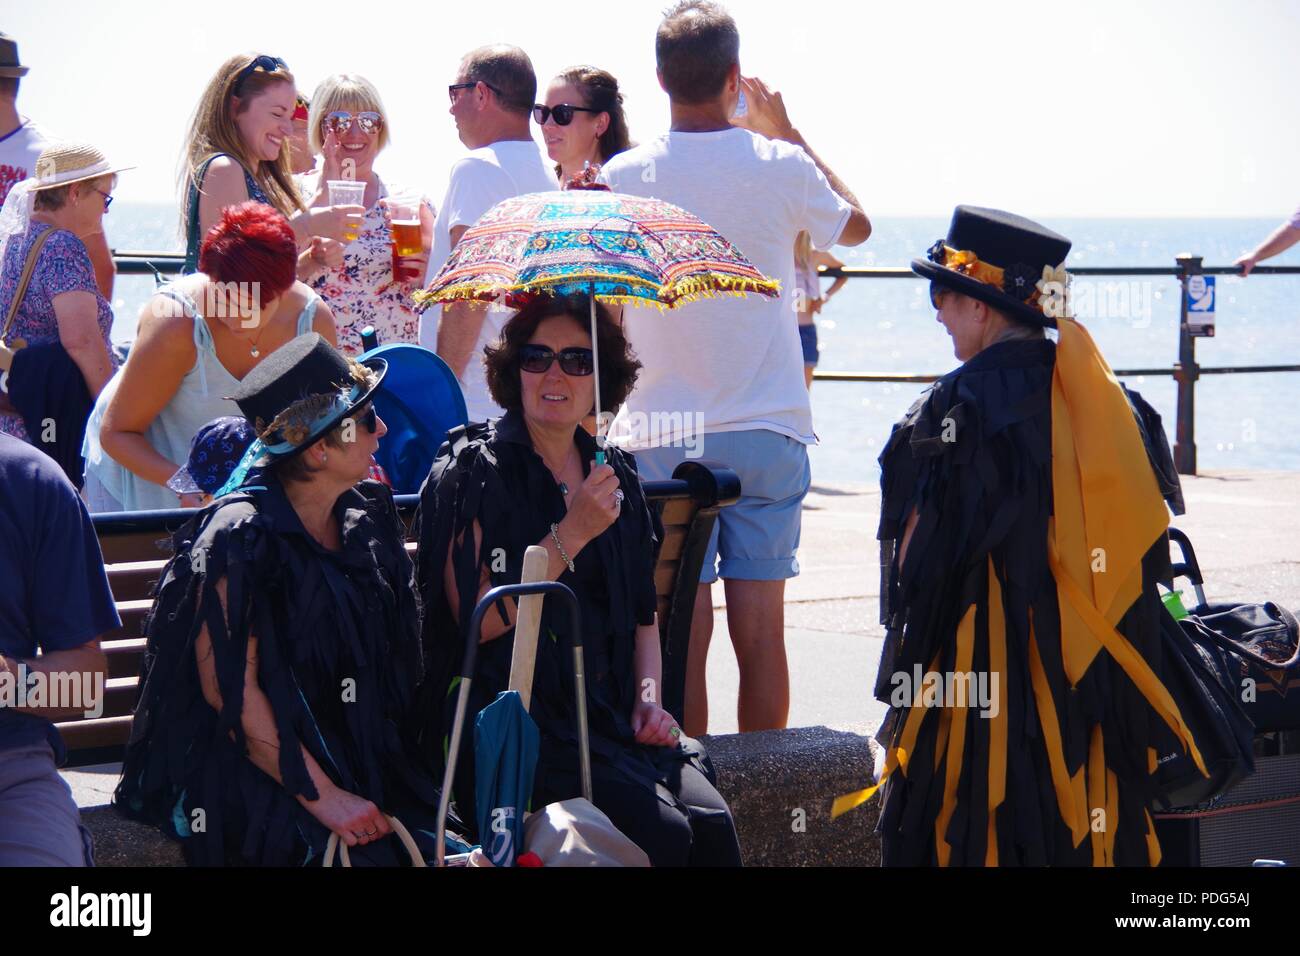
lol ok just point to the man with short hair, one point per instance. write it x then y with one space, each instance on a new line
21 142
491 101
725 368
54 597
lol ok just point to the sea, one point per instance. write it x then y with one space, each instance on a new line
1243 421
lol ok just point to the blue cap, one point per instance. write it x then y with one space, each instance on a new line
214 453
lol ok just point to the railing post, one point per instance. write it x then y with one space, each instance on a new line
1186 372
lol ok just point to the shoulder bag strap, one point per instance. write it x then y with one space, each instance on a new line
192 237
28 268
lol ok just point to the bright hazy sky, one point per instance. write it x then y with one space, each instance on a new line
1105 108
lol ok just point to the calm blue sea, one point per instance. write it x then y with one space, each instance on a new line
887 325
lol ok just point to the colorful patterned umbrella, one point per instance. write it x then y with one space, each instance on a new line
593 242
624 248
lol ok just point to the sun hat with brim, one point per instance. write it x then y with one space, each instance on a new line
65 163
1002 259
215 453
9 65
295 395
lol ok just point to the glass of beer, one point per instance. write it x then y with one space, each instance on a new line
404 225
347 192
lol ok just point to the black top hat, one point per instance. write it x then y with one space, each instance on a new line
9 65
996 257
302 390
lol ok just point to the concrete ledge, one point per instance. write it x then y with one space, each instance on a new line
118 841
765 777
768 776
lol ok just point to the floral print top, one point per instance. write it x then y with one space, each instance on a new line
63 266
362 291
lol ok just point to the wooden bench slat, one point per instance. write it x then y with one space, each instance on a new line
134 580
678 512
97 732
124 656
141 546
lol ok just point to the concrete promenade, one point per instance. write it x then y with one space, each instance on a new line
1245 527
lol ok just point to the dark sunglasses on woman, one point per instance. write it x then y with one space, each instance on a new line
263 64
341 121
574 361
367 419
563 113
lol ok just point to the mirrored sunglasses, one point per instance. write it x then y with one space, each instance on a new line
341 121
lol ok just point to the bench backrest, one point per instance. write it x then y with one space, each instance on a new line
137 546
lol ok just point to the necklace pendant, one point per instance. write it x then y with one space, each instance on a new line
255 351
564 489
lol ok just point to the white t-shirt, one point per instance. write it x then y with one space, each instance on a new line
18 153
726 364
478 182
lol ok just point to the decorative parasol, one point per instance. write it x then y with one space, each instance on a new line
588 241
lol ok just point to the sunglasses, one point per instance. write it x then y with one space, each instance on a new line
108 198
341 121
451 90
367 419
563 113
301 107
538 358
270 65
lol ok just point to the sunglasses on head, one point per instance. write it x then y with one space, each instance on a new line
574 361
263 64
563 113
341 121
301 107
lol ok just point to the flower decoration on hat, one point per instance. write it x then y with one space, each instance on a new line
1018 281
1054 292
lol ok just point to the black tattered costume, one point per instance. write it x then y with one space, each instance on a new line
661 797
1026 473
339 660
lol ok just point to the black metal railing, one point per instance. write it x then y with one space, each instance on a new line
1185 371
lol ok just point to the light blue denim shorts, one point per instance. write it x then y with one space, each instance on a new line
757 537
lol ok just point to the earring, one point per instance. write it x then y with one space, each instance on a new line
324 458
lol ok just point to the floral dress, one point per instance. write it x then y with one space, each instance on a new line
63 266
362 290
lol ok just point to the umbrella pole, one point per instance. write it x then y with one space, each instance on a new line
595 363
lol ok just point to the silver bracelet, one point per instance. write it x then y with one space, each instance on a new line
564 555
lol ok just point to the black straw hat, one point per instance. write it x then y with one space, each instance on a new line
998 258
302 390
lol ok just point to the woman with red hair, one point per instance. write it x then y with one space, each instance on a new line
196 339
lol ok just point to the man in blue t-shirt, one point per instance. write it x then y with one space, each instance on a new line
55 599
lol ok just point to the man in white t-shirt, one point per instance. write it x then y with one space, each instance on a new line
723 378
492 101
21 142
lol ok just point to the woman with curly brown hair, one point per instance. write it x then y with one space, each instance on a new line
530 477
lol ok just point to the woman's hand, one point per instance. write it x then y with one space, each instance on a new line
654 726
595 506
331 157
336 222
355 819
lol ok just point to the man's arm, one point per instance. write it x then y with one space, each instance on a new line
1282 238
767 117
459 326
85 664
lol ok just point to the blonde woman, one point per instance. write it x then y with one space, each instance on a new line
237 149
372 285
808 299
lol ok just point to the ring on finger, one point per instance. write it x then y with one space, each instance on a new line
618 495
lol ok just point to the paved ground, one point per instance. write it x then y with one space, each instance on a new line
1245 527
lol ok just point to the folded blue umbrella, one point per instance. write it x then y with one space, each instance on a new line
506 744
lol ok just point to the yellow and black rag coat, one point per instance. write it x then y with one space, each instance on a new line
1040 535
